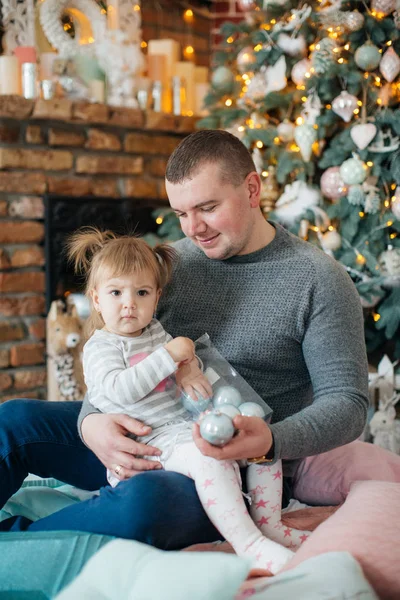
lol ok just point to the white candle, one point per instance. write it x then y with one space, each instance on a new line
185 70
97 90
46 64
171 50
201 92
201 74
113 14
10 75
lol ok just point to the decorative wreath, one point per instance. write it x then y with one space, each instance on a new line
50 19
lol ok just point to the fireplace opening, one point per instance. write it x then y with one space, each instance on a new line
65 214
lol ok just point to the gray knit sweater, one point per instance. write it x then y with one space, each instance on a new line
288 318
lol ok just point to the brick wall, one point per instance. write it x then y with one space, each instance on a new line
65 148
224 10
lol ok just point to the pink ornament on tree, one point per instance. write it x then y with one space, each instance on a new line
332 185
344 105
390 65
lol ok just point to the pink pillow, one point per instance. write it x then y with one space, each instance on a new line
367 526
326 479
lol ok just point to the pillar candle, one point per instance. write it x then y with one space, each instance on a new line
201 74
113 14
10 75
97 90
171 50
25 54
185 70
46 64
201 90
157 67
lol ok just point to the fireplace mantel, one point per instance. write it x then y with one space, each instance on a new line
68 149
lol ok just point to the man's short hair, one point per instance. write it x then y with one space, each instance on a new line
208 147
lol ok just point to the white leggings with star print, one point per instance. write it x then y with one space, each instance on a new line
218 485
264 485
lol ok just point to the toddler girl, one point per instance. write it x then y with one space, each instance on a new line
128 363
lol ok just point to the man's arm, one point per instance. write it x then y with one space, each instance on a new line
335 354
334 350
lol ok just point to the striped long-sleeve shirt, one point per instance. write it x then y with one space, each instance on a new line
130 376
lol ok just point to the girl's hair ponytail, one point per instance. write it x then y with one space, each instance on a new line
166 256
84 244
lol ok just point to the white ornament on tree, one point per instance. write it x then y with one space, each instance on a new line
292 46
395 208
389 262
353 171
299 71
331 240
344 105
295 200
363 134
258 160
383 7
311 108
305 135
390 65
286 131
268 79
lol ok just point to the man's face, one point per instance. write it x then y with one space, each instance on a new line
218 217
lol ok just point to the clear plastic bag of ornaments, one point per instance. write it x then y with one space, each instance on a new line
232 395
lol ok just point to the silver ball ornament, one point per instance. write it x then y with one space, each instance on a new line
367 57
355 21
216 428
332 184
227 394
222 79
252 409
353 171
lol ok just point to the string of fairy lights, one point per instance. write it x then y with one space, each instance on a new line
374 90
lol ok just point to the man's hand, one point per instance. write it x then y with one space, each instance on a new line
253 439
191 379
106 436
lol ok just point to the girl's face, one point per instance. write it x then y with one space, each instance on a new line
127 303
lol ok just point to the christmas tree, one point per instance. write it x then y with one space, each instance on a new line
312 91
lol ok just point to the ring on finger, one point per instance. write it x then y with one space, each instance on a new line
118 469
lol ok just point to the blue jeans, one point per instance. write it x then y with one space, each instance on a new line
157 507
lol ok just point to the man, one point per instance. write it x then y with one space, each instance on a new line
285 315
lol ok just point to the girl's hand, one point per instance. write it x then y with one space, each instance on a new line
192 380
181 349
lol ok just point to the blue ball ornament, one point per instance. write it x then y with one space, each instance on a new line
216 428
227 394
195 406
252 409
229 409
